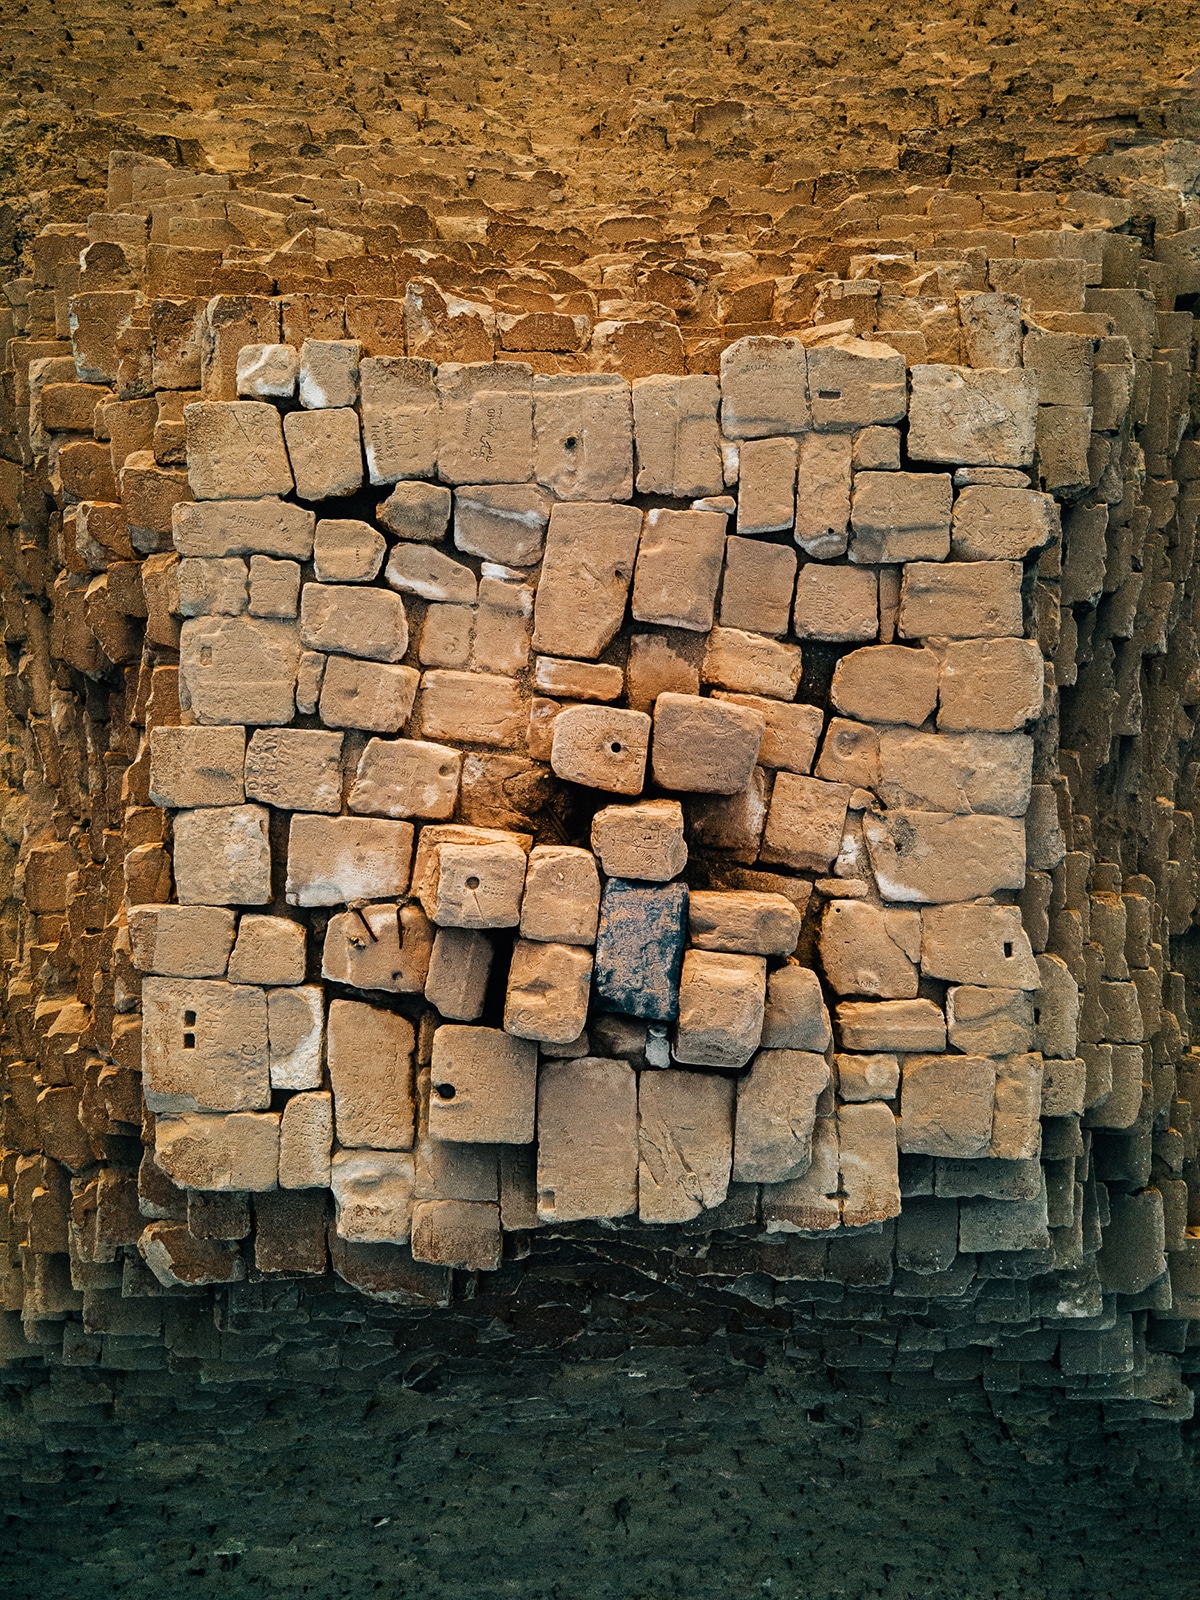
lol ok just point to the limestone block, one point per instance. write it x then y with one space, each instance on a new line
1056 1009
240 669
235 451
274 588
475 885
502 626
776 1110
577 680
306 1141
1132 1257
644 841
502 522
309 678
1016 1124
877 450
295 769
685 1143
662 663
585 578
406 778
241 528
459 968
980 417
795 1017
583 435
961 600
197 766
1121 1106
808 1203
639 948
839 604
383 946
457 1233
704 746
476 707
446 636
419 511
869 951
732 824
486 422
366 694
933 857
870 1026
346 550
767 486
992 523
900 516
676 437
957 772
328 373
862 1078
369 1054
679 568
805 823
212 587
561 902
946 1105
986 1021
823 495
548 990
993 685
296 1031
399 420
483 1087
372 1195
267 371
751 664
743 922
887 683
268 950
792 731
721 1003
421 570
432 835
353 621
991 329
981 944
332 860
602 747
849 754
756 592
238 1153
204 1044
181 941
222 856
764 387
587 1150
854 383
868 1164
1003 1225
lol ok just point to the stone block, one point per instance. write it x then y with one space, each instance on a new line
446 636
212 587
756 591
399 420
486 423
732 824
240 669
295 769
306 1141
367 694
743 922
838 604
643 841
886 683
985 1021
748 663
704 746
197 766
421 570
383 946
900 516
849 754
961 600
432 835
679 568
369 1054
994 685
235 451
685 1144
483 1087
475 885
222 856
269 527
459 968
868 1164
854 383
979 944
505 523
956 772
587 1150
1132 1255
204 1045
267 371
805 823
372 1195
767 486
808 1203
946 1105
1056 1010
585 578
639 949
561 902
328 373
274 588
764 387
823 495
236 1153
992 523
676 436
268 950
548 990
932 857
792 730
862 1078
475 707
1003 1224
181 941
577 680
869 951
332 860
662 663
991 328
877 449
979 417
346 550
502 626
871 1026
356 621
602 747
417 511
776 1110
457 1233
795 1017
721 1003
583 435
406 778
296 1030
1016 1119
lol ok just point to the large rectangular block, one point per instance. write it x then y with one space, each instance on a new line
406 778
372 695
483 1086
767 486
332 860
238 1153
295 769
486 422
399 418
587 1153
705 746
382 946
900 516
983 944
960 600
981 772
935 858
548 990
776 1109
306 1141
679 568
792 730
823 494
972 416
369 1053
372 1195
676 437
946 1105
239 669
748 663
585 578
993 685
868 1164
685 1143
475 707
764 387
887 1025
639 948
204 1046
353 620
561 902
235 450
222 856
805 823
211 529
181 941
583 435
808 1203
722 999
855 383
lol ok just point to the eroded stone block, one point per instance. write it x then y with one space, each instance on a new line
685 1142
369 1053
776 1109
587 1152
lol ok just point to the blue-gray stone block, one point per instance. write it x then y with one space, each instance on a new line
639 949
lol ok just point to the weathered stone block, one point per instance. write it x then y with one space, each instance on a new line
639 949
197 766
295 769
502 522
935 858
222 856
240 669
548 990
475 885
703 745
743 922
369 1053
366 694
475 707
685 1142
353 621
561 902
204 1045
868 1164
869 951
583 435
406 778
900 516
585 578
181 941
602 747
238 1153
269 950
980 417
235 451
676 437
993 685
992 523
839 604
870 1026
306 1141
805 823
372 1195
679 568
459 968
854 383
721 1003
764 387
347 551
776 1109
483 1087
587 1152
946 1105
296 1030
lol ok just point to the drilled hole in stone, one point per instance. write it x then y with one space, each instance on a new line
444 1091
570 443
189 1041
472 883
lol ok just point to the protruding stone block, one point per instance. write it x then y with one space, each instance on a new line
721 1003
369 1052
204 1045
946 1105
639 949
561 902
239 1152
548 990
483 1087
603 747
743 922
795 1016
475 885
587 1153
332 860
295 769
222 856
703 745
776 1109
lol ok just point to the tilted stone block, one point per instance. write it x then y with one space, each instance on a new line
204 1045
503 522
676 437
886 683
235 451
795 1016
346 550
585 578
459 968
703 745
372 1195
